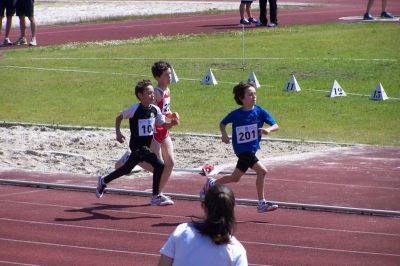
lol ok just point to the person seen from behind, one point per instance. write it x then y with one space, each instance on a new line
210 241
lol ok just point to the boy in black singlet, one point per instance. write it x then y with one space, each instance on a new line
142 117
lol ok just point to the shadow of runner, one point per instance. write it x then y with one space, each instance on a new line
94 213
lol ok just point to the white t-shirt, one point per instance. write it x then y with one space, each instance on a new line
188 247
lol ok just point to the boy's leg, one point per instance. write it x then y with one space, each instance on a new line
158 167
261 172
263 205
8 27
22 26
167 150
369 5
248 10
123 170
384 2
273 11
232 178
241 10
155 147
33 26
263 12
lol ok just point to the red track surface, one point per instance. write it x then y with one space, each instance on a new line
51 227
54 227
65 227
326 11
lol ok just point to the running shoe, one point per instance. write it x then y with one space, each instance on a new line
209 183
7 42
266 206
368 16
161 200
253 20
386 15
207 169
259 24
101 186
21 41
272 25
244 21
33 42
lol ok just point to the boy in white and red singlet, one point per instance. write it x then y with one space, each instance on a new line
162 143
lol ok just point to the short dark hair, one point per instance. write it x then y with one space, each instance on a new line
220 222
141 86
159 67
240 89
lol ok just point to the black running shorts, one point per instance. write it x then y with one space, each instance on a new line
8 6
25 8
246 161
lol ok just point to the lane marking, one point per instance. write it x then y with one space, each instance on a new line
82 227
215 58
17 263
22 193
189 216
77 247
323 249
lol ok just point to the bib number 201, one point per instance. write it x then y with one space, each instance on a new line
246 133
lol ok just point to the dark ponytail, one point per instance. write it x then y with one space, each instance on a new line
220 219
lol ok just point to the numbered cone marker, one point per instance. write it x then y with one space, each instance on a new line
174 77
209 79
379 94
253 78
292 85
337 90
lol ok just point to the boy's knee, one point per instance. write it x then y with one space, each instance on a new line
235 179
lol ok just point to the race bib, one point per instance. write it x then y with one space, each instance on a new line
146 127
246 133
166 105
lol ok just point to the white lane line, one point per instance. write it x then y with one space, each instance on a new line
17 263
23 193
77 247
331 184
214 58
188 216
322 249
81 227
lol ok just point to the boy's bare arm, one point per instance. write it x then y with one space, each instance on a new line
120 138
224 135
266 131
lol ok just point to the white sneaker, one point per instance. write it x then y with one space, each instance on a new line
266 206
7 42
161 200
33 42
101 186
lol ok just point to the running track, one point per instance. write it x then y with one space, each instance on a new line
329 11
57 227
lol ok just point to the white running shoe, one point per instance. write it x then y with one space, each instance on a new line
7 42
33 42
161 200
101 186
266 206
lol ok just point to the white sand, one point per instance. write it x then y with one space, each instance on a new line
94 152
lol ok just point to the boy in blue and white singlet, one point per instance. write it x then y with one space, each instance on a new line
247 129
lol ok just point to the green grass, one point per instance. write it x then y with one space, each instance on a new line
87 84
